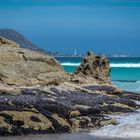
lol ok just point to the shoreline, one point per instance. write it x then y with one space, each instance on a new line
76 136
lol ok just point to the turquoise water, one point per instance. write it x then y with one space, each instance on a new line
125 72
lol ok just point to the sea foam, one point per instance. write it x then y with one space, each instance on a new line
113 65
125 65
129 127
70 64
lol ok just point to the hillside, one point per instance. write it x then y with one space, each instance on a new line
19 39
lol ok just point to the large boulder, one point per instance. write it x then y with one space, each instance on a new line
23 67
96 67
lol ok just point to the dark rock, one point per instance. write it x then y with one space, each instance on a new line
35 111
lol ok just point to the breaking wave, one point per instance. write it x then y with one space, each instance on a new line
70 64
125 65
128 127
113 65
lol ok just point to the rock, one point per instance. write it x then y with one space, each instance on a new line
24 67
96 67
37 111
74 114
8 43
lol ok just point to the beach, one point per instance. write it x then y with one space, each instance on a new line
78 136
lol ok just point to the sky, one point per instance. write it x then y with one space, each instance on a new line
103 26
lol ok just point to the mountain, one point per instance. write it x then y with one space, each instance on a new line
19 39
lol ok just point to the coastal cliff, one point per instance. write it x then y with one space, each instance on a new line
38 96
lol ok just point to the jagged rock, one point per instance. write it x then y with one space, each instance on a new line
96 67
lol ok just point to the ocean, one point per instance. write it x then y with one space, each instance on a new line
125 72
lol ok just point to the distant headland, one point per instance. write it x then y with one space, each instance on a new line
62 54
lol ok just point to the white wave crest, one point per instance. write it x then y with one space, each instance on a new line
112 65
70 64
125 65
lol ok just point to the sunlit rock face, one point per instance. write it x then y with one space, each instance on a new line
25 67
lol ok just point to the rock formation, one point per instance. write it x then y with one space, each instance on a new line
24 67
96 67
37 96
58 110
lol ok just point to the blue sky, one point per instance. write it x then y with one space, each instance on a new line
104 26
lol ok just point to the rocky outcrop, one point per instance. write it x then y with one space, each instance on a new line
58 110
24 67
96 67
37 96
8 43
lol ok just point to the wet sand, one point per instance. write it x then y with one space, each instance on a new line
78 136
